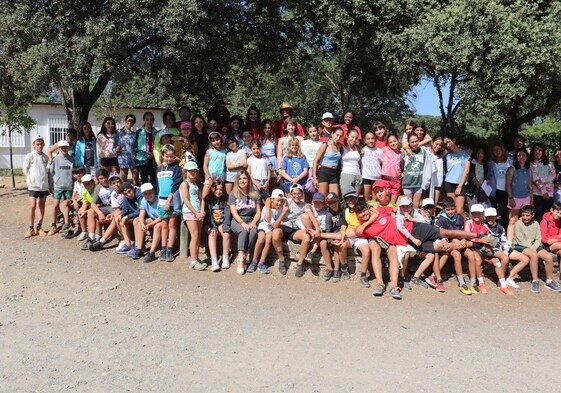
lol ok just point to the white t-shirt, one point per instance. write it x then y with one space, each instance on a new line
235 159
309 149
267 226
258 167
371 163
351 161
78 187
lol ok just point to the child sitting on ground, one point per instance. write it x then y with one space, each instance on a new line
527 239
215 205
148 218
484 252
270 214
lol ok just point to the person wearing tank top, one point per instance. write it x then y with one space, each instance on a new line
326 163
351 175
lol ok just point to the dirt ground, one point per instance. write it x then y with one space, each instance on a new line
73 320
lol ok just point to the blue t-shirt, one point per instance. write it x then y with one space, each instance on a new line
151 208
455 166
294 166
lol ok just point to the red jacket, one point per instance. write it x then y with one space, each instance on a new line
550 229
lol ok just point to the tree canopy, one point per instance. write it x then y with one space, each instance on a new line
498 59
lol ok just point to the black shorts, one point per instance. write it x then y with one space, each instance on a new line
288 233
450 188
327 175
37 194
427 234
109 161
368 182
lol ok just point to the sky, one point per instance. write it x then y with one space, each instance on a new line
426 102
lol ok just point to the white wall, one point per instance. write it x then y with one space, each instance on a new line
47 115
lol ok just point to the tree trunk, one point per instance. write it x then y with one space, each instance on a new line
11 157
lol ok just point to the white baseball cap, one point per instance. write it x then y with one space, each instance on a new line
477 208
146 187
277 193
327 115
405 201
427 202
37 138
63 143
87 178
490 212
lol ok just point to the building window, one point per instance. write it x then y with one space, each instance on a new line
18 138
57 129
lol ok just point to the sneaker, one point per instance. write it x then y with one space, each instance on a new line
170 257
262 267
299 271
215 267
395 293
124 249
282 267
431 280
252 267
407 285
52 231
225 262
137 254
465 290
83 236
327 274
535 288
39 231
364 281
121 244
131 252
553 286
96 246
310 257
336 276
163 253
240 266
69 234
198 265
482 288
345 275
65 227
506 291
30 232
440 287
86 244
420 282
510 282
473 289
379 290
149 257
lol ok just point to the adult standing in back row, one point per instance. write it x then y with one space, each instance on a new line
286 111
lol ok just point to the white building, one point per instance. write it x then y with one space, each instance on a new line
51 124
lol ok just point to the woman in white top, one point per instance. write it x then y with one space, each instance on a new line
351 176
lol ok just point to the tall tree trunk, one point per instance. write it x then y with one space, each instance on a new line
11 157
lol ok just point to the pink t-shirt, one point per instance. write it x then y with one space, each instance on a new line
390 162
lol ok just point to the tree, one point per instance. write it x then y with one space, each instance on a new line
15 119
77 47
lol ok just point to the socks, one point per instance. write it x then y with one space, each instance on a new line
91 236
481 280
461 280
102 241
363 274
473 281
502 282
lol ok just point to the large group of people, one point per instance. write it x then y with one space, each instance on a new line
328 187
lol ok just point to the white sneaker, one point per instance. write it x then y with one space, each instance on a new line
510 282
215 266
120 245
83 236
225 262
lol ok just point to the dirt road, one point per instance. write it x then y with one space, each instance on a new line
73 320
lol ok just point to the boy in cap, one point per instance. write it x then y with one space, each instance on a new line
61 171
35 171
336 224
484 252
148 218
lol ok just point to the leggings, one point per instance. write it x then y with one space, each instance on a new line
148 172
246 239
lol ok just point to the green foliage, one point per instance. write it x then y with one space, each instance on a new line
15 119
545 131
